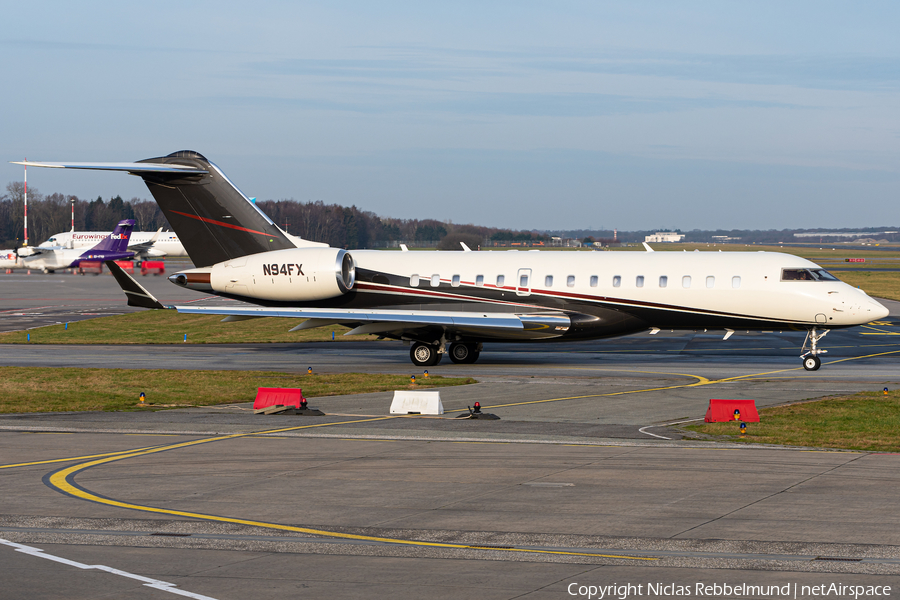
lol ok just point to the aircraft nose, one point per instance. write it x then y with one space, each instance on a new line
879 310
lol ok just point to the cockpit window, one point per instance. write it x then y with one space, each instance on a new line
807 275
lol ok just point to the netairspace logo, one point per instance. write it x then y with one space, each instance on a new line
724 590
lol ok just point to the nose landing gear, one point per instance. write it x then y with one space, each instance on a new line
811 361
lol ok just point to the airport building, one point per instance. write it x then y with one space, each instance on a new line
664 236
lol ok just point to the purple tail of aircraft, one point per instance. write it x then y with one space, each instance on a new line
114 247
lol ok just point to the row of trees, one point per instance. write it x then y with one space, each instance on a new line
349 227
339 226
52 213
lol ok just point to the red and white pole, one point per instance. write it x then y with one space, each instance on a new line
26 204
73 214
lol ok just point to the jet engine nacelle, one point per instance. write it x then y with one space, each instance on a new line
295 274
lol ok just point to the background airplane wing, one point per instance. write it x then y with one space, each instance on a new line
33 250
145 247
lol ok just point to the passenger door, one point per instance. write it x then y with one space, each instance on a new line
523 282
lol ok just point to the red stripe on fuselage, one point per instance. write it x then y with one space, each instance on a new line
214 222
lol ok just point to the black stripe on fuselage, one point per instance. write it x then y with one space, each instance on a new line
593 316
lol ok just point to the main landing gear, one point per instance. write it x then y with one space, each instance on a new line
425 355
428 355
811 361
464 354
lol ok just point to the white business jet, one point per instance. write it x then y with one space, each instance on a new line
453 302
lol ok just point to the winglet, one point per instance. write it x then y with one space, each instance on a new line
464 247
647 247
137 295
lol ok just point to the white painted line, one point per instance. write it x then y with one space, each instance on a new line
547 484
679 422
662 437
152 583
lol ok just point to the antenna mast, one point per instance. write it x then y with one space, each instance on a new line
26 203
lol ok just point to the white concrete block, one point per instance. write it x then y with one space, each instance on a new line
424 403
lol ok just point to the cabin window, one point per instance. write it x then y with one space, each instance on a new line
617 280
455 281
414 280
570 281
710 282
435 280
594 280
523 281
639 281
663 281
479 280
500 280
686 281
736 281
548 281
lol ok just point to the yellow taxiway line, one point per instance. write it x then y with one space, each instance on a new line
63 481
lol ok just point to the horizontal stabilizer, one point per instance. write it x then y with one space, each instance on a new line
137 295
116 166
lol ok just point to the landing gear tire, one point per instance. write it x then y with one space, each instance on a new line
812 363
463 354
424 355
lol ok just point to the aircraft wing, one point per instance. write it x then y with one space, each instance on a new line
399 323
25 251
145 247
394 322
390 318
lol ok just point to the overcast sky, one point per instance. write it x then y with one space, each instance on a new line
634 115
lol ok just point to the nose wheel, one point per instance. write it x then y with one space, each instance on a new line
811 361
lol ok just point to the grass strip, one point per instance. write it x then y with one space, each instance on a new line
169 327
37 389
878 284
864 421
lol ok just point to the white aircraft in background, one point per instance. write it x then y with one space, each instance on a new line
49 259
144 244
433 300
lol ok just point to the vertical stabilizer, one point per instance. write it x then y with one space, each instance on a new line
213 219
117 241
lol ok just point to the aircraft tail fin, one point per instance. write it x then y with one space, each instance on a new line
117 241
214 220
